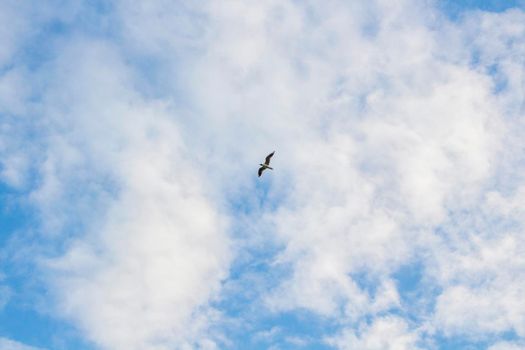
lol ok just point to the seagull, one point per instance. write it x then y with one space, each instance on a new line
266 164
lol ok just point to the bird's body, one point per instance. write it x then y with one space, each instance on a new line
266 164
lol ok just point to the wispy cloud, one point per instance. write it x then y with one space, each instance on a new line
8 344
398 134
384 333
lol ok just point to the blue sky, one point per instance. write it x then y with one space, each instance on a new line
131 215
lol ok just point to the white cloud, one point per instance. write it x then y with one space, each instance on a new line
381 130
403 141
483 272
479 263
8 344
388 141
10 36
507 346
14 170
13 91
369 178
390 333
5 295
152 248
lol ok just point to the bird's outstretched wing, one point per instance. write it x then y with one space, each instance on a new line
261 169
268 157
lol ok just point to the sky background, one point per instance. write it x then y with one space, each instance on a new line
131 215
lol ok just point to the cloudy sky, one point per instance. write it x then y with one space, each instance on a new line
131 215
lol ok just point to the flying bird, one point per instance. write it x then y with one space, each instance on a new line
266 164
